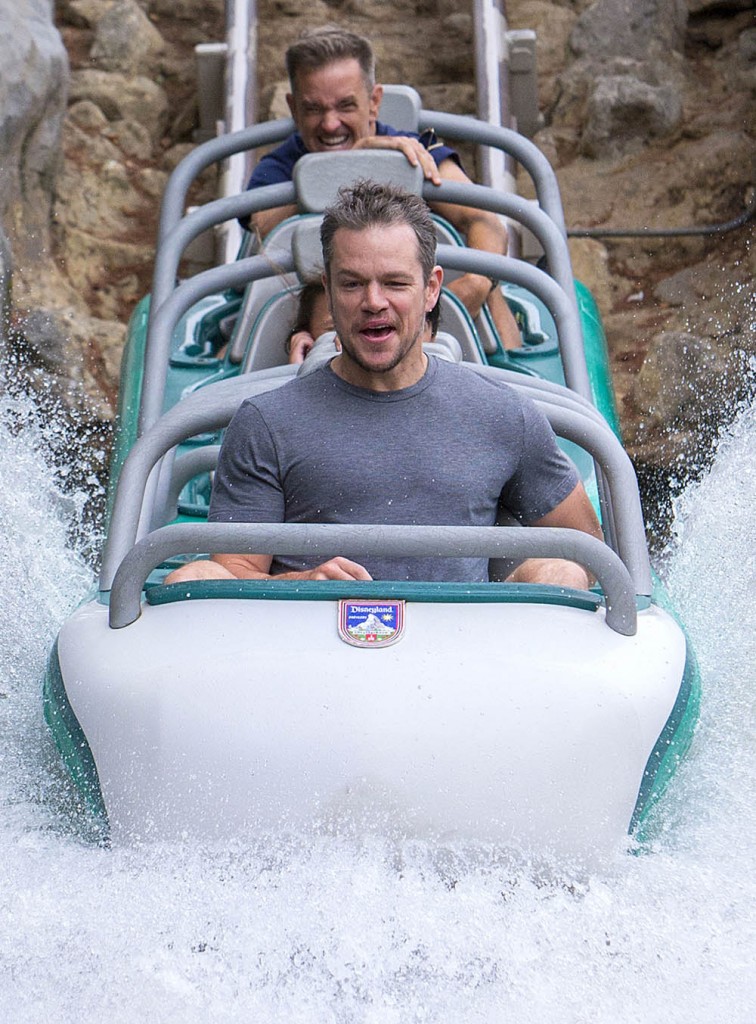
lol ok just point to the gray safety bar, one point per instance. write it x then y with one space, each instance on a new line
189 465
561 303
211 409
457 128
555 394
201 460
166 314
158 338
175 240
212 152
452 126
539 389
176 232
553 241
364 541
171 245
230 275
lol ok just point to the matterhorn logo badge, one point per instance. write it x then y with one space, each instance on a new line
371 623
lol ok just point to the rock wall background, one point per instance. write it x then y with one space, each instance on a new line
648 110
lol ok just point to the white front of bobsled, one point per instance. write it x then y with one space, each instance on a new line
519 724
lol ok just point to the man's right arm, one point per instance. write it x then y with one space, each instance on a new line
247 488
275 168
262 223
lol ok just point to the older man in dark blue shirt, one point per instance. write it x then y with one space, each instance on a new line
334 101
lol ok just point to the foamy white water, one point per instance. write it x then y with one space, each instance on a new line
334 930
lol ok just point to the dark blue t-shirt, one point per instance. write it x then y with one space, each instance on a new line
277 167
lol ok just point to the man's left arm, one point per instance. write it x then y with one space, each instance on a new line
575 512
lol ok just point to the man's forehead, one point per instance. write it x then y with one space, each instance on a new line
343 73
377 243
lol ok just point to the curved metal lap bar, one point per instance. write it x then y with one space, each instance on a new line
355 541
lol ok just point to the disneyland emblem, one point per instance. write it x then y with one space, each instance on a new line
371 623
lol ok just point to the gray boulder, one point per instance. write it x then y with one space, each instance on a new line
626 87
121 97
624 112
126 40
33 79
638 29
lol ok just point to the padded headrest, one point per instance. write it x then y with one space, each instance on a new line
306 249
445 346
319 176
400 107
321 352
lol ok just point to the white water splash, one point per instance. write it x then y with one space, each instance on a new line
339 931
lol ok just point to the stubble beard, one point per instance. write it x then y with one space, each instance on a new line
400 355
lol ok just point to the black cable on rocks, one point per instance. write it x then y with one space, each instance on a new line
710 229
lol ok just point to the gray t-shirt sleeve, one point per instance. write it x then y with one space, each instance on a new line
247 485
544 475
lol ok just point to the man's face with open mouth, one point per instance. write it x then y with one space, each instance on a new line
332 106
379 298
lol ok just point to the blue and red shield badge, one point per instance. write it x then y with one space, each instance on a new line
371 623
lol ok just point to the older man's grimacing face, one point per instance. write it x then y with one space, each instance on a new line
333 107
378 298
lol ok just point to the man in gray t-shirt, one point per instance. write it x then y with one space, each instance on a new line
385 434
323 450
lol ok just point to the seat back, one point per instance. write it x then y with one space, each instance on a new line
445 346
272 326
400 107
274 247
456 322
276 310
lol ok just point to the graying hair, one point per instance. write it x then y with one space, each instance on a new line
367 204
318 47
